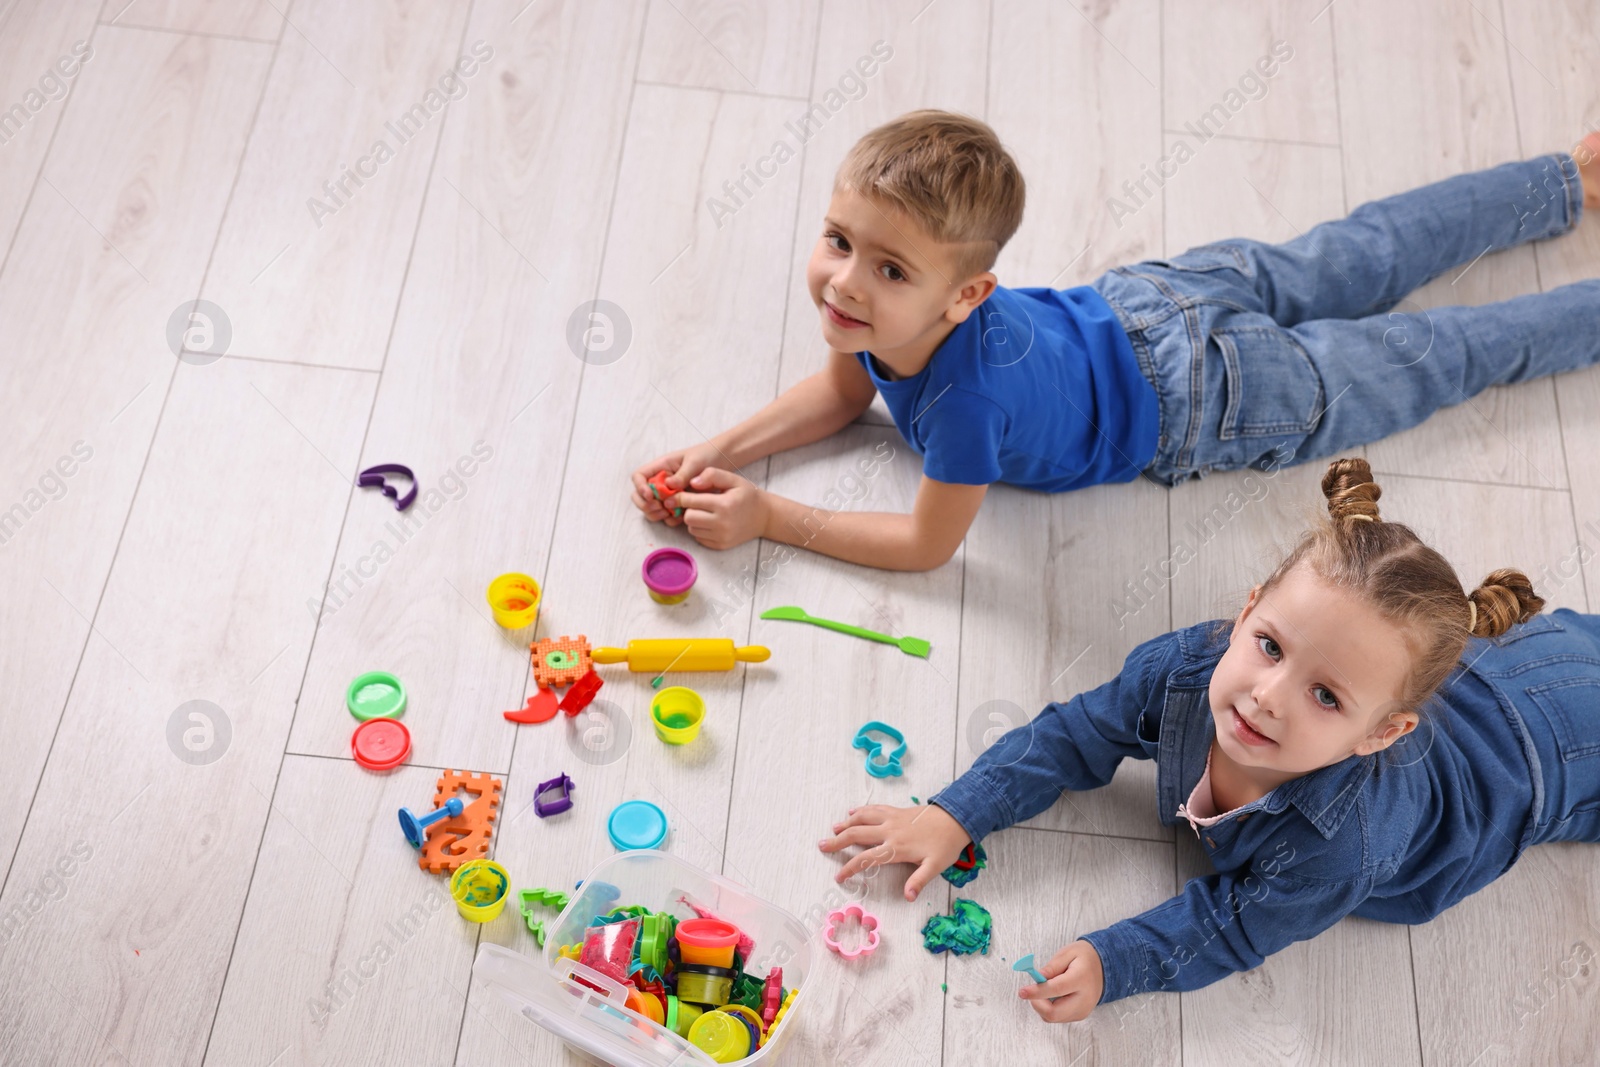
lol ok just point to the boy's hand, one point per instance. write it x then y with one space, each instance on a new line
722 509
1072 987
684 464
925 835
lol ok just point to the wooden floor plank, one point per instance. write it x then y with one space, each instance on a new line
170 805
1538 1003
1455 57
1271 70
505 254
1072 232
315 245
1575 575
113 246
44 49
1256 189
260 20
733 45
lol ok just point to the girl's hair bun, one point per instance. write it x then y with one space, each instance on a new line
1351 492
1504 598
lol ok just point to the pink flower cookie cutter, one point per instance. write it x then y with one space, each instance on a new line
869 927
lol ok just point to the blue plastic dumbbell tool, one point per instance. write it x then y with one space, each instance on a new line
416 830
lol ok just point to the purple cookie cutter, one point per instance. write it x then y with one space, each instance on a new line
372 478
560 804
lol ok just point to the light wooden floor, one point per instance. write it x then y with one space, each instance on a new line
159 911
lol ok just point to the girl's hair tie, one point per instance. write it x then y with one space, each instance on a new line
1363 518
1472 623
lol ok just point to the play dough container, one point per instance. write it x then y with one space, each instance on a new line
677 713
721 1036
646 1005
681 1015
707 942
710 987
375 695
636 824
588 1010
669 574
381 744
514 599
480 888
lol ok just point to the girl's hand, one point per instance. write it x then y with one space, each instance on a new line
722 509
1072 987
684 464
925 835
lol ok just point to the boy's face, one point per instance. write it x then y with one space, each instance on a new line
883 285
1312 675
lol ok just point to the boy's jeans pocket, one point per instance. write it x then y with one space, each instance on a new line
1273 388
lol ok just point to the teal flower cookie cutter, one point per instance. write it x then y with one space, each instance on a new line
889 767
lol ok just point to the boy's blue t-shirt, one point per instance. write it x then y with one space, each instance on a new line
1039 388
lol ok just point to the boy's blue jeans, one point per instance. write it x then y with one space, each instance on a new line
1266 354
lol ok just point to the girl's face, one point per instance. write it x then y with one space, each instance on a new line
1312 675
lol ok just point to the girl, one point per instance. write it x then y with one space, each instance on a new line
1286 740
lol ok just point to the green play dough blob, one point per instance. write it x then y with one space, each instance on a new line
964 931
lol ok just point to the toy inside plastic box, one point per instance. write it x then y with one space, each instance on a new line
591 1018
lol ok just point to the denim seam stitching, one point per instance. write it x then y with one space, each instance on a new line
1573 186
1528 665
1191 327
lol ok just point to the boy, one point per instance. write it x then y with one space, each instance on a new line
1235 354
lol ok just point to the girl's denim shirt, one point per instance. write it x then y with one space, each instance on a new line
1397 836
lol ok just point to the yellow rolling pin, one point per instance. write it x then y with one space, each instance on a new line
682 654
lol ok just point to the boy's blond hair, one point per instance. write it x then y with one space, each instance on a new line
950 173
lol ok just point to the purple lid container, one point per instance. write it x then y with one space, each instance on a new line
669 571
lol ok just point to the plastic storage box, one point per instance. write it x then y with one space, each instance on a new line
586 1009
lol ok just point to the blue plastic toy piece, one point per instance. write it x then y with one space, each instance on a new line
1025 964
890 765
416 830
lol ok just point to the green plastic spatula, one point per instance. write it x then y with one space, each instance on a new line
911 646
